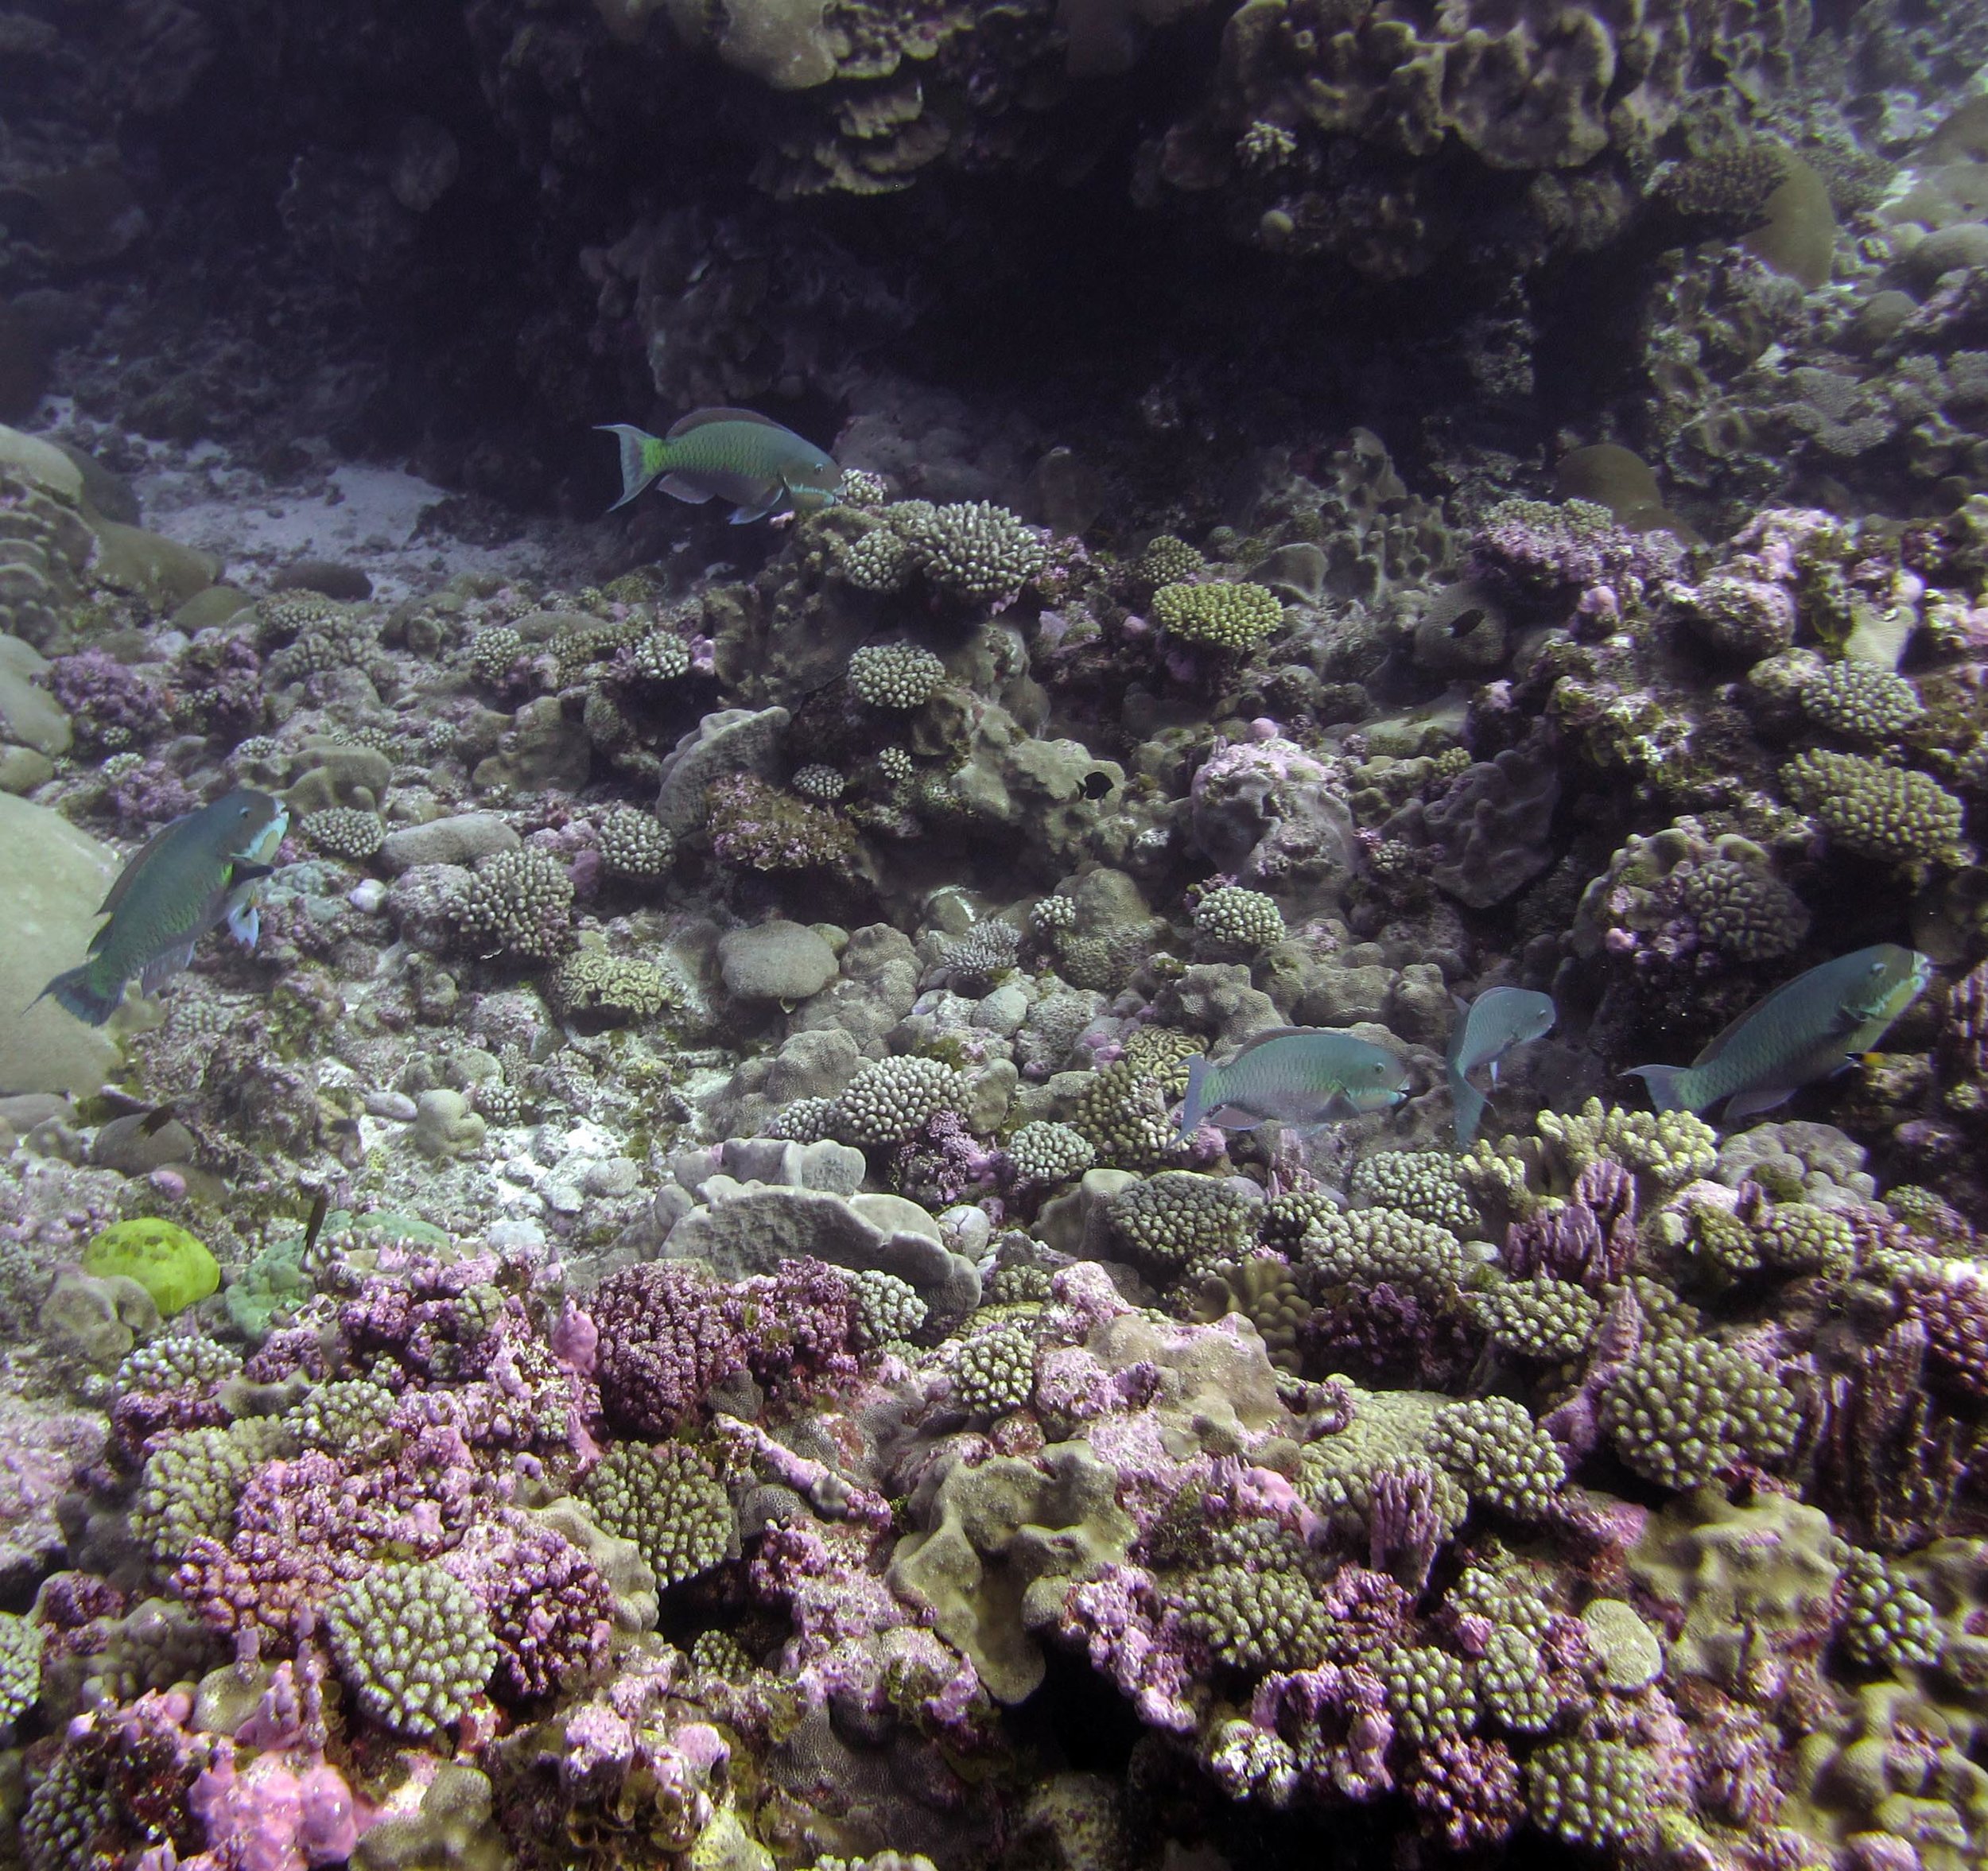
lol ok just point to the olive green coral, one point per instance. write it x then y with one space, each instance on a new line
1122 1111
1501 1455
347 832
620 989
1594 1793
887 1310
1887 1625
1538 1318
1235 617
1429 1693
1043 1152
349 1417
669 1500
1367 1247
1743 910
1514 1685
1231 920
1663 1150
1860 700
1894 814
20 1666
413 1644
519 905
493 655
1422 1183
192 1482
889 1100
993 1371
1179 1219
1256 1621
1683 1408
972 551
635 843
899 676
1167 559
177 1362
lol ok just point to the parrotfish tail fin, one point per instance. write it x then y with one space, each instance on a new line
641 458
1191 1112
1666 1085
87 1002
1469 1102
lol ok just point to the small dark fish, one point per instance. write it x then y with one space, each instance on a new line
197 872
1806 1029
1486 1030
1301 1076
320 1206
729 454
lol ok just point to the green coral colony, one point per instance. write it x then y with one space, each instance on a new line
1199 1078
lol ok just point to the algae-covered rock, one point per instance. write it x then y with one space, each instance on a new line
95 1319
172 1264
57 877
743 1229
163 572
29 716
1007 1539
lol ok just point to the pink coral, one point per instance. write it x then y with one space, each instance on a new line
665 1340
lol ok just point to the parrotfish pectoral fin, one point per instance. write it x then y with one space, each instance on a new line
245 924
636 473
1665 1085
1468 1103
1762 1098
161 968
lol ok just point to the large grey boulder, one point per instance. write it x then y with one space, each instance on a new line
460 839
56 878
778 961
745 1229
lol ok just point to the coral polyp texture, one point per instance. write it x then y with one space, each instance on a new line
1029 938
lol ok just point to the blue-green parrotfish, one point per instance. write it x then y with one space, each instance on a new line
728 455
197 872
1806 1029
1488 1028
1301 1076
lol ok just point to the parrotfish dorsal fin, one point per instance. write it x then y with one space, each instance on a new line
701 418
1264 1038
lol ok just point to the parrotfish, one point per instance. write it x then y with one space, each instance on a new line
1301 1076
1488 1028
199 871
1806 1029
730 454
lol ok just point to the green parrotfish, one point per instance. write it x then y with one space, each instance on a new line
198 872
1488 1028
1806 1029
728 455
1301 1076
